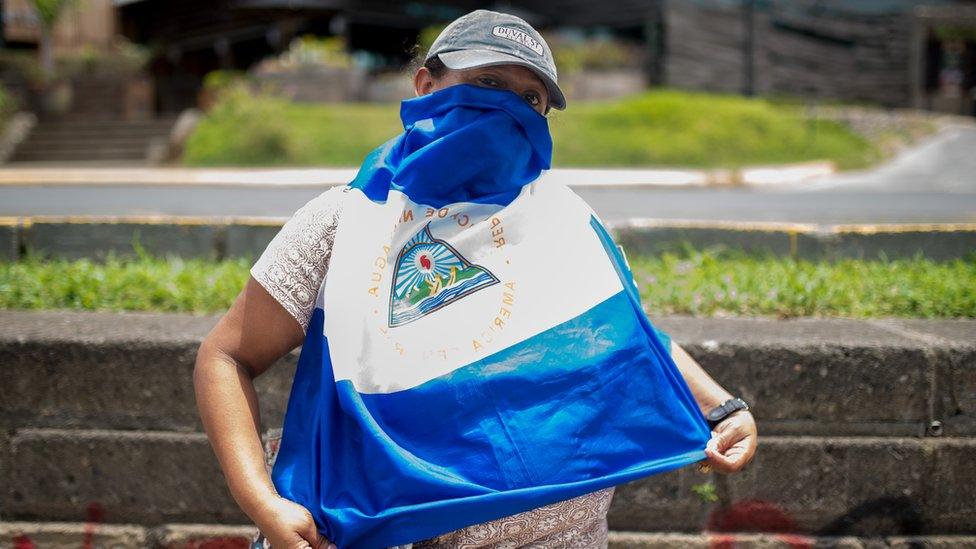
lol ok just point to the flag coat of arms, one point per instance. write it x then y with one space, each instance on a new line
471 360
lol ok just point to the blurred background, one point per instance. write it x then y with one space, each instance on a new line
794 183
132 68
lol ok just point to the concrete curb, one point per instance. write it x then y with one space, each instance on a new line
939 242
186 536
219 237
761 175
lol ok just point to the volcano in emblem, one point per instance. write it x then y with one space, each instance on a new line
431 274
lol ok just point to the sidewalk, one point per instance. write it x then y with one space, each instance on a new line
320 177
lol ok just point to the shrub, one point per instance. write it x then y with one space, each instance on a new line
242 128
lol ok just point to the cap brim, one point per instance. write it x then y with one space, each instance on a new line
469 59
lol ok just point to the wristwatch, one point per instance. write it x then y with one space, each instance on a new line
723 410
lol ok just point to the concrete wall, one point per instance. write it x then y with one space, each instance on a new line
217 238
866 427
833 49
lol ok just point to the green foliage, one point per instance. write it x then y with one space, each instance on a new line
8 106
710 282
955 32
721 282
260 129
682 128
22 63
310 50
594 53
706 492
428 35
122 57
48 11
653 128
144 284
219 80
243 128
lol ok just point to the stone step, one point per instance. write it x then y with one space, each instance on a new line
67 535
92 121
82 138
94 143
830 486
28 155
85 128
843 377
79 138
91 145
47 135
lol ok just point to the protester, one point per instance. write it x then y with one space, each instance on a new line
476 367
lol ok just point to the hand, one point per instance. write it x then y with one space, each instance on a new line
288 525
733 443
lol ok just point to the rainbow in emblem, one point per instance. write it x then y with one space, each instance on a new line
431 274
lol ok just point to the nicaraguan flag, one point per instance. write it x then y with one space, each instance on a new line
473 359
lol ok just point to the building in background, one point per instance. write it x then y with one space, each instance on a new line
896 53
87 23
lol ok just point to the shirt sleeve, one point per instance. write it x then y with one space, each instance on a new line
293 266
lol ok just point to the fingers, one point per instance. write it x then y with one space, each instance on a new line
719 442
313 539
724 464
727 452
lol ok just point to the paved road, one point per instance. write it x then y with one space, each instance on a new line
943 162
836 206
934 182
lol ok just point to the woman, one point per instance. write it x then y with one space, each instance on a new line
281 305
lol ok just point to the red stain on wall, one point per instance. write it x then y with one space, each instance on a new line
756 516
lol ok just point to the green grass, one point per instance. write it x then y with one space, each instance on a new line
271 132
702 283
145 284
659 127
677 128
736 284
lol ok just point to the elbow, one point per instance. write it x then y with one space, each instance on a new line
211 356
209 359
201 367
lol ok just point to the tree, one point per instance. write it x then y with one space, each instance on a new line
48 12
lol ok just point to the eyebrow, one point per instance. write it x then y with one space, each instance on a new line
532 87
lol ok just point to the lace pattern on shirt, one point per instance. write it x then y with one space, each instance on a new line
578 523
294 265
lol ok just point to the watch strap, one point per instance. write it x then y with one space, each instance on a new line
723 410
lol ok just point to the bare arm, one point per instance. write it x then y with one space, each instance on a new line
734 440
707 391
254 333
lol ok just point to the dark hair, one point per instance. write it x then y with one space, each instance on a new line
436 67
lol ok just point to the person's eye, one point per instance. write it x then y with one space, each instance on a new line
533 99
487 81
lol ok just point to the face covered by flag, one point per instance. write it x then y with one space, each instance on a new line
478 347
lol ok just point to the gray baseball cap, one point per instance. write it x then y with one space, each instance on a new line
485 37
